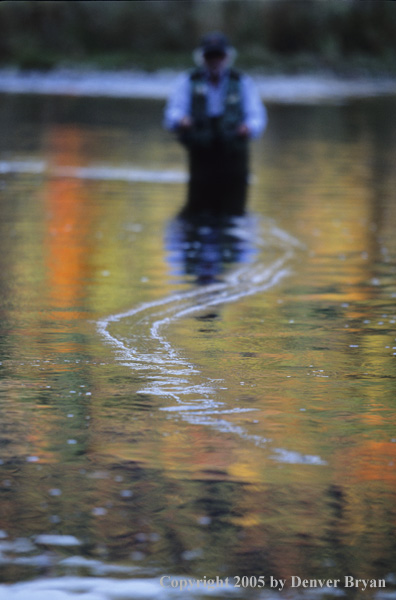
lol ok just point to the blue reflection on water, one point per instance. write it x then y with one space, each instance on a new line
204 249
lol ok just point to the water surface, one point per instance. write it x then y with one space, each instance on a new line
198 403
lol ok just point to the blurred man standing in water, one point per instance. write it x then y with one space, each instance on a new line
214 111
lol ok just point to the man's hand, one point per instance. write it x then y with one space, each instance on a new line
243 130
185 123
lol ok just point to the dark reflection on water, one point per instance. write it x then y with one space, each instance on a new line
202 248
87 452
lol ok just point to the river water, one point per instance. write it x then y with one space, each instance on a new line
203 404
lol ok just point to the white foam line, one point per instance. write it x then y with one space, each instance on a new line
162 301
226 427
199 411
287 456
222 295
120 174
174 300
287 238
97 173
132 353
23 166
103 323
273 279
241 283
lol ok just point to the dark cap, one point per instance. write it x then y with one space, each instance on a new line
214 43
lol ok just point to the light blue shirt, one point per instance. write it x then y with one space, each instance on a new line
179 103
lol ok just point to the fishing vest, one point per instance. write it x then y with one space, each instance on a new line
222 130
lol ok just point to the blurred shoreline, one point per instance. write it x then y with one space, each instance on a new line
135 84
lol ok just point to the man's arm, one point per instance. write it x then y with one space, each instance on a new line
255 112
177 110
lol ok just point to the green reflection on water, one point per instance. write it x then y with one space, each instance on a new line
86 453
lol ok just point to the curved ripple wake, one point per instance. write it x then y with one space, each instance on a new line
170 375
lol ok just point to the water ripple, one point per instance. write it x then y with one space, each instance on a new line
171 376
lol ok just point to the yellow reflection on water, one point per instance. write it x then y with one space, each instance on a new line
304 482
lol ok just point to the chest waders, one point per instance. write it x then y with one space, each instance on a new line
218 157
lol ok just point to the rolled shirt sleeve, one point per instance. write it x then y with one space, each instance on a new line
255 111
178 105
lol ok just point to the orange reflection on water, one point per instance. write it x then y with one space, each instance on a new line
70 218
